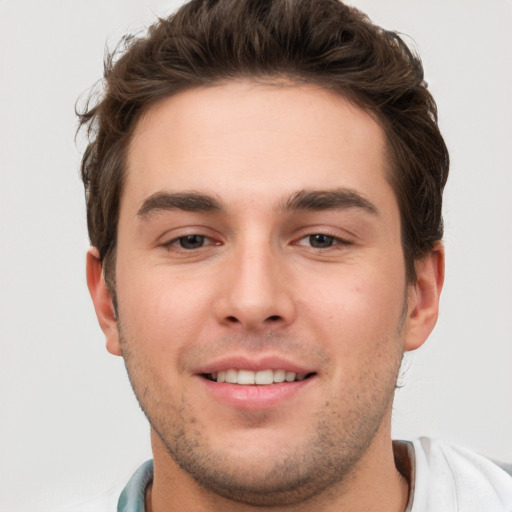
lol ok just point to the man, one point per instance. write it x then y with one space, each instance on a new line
264 184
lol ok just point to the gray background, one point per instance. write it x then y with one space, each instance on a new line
69 426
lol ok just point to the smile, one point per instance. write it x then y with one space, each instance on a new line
260 378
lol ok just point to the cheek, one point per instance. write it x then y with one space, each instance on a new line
355 313
362 337
159 312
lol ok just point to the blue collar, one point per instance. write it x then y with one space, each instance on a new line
132 497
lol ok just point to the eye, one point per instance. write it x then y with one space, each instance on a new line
319 241
191 241
188 243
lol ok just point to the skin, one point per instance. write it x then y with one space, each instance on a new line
261 284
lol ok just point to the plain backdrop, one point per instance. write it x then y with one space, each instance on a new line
69 425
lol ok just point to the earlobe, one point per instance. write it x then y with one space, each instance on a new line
102 300
424 297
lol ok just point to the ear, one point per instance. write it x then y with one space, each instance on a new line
423 297
102 300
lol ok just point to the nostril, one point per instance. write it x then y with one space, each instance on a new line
271 319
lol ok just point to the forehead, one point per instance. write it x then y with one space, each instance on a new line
258 140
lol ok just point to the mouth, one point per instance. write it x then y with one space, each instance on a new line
242 383
256 378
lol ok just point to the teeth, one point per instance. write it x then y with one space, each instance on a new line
262 378
232 376
280 375
265 377
289 376
244 377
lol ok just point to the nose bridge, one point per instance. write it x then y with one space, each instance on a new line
255 294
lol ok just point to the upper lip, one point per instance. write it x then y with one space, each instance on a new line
241 362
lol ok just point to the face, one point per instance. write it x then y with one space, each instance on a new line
262 302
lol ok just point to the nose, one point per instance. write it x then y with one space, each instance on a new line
255 292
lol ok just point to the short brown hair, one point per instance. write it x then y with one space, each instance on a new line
306 41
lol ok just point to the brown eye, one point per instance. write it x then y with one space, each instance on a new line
191 241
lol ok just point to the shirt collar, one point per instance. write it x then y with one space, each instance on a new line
132 497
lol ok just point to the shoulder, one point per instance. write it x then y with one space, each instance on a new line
454 478
127 499
104 503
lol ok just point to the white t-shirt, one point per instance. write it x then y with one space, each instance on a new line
443 478
452 479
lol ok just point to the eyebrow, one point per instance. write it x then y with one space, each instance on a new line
304 200
337 199
187 201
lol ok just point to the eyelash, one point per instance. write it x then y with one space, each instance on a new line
333 241
177 243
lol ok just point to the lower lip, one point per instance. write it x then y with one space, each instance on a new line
254 397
